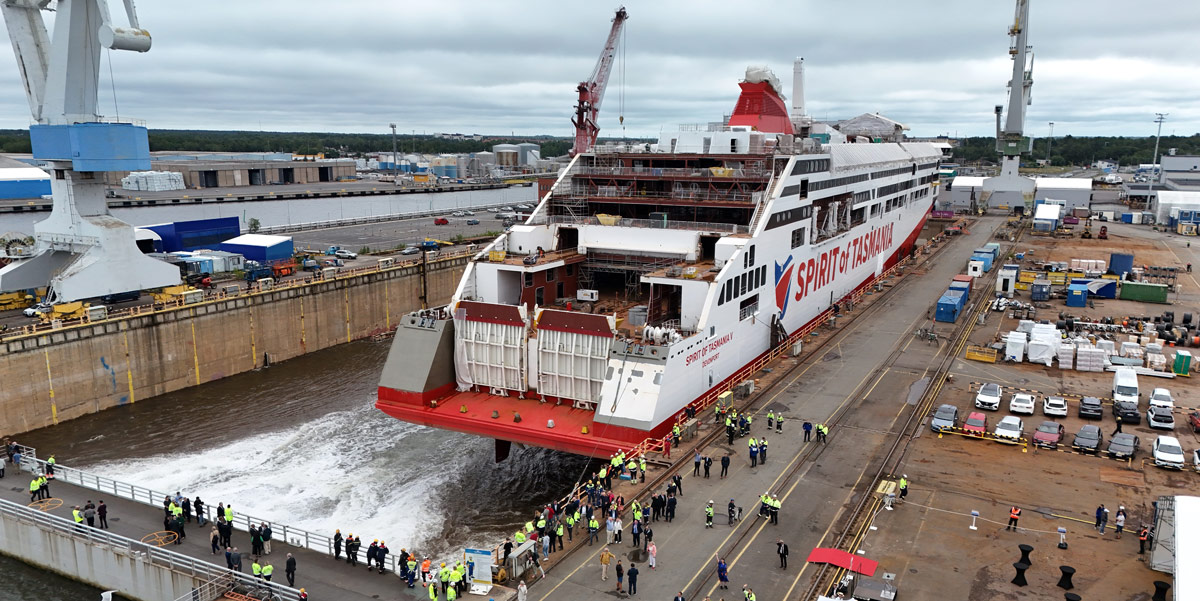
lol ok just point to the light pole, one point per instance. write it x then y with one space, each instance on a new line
1158 118
1050 143
394 161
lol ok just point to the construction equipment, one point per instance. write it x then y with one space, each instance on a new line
71 310
437 242
15 300
182 292
1010 188
80 251
283 268
591 92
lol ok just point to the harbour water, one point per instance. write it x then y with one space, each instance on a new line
301 210
23 582
301 443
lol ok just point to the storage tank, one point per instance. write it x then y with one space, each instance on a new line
528 153
507 155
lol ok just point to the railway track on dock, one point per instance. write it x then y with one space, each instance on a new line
858 521
764 396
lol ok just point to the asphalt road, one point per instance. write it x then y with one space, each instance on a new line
814 485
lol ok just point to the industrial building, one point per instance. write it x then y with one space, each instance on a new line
212 174
966 193
20 180
196 234
260 247
1074 192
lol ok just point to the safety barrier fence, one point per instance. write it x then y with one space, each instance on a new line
212 296
329 223
171 560
297 537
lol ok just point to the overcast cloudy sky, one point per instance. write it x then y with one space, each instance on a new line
1103 67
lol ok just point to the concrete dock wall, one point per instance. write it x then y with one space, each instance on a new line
63 374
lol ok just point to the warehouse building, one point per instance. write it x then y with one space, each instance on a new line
195 234
1074 192
966 192
260 247
205 173
20 180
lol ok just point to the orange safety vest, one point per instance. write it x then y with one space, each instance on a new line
1015 513
425 565
1142 535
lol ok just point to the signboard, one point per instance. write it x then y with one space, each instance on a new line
480 576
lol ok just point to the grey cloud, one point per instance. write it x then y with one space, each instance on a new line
1102 68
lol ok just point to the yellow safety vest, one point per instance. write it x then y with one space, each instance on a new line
520 537
35 484
528 526
229 515
708 511
541 524
593 524
268 570
257 569
78 516
559 532
752 443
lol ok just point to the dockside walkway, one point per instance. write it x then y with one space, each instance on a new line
323 577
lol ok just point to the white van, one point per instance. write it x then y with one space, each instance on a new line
1125 386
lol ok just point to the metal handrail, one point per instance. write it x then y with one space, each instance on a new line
704 226
586 193
297 537
214 296
210 590
171 560
316 225
669 172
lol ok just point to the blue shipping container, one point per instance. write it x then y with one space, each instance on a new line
949 306
1077 295
1126 217
1039 290
1120 263
987 261
1098 288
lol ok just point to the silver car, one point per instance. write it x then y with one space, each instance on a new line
1010 429
945 418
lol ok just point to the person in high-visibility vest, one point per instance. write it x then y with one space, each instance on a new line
593 528
1014 514
642 468
50 463
903 486
425 570
444 575
43 487
519 536
1143 534
267 570
229 514
256 568
34 486
78 515
770 419
708 515
558 533
412 570
779 423
433 591
753 444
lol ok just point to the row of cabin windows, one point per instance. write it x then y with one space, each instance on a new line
838 181
932 165
897 171
737 286
894 188
551 274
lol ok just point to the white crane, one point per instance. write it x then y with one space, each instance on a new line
1009 188
80 250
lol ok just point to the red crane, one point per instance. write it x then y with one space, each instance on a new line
591 92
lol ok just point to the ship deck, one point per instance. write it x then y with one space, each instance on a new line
472 413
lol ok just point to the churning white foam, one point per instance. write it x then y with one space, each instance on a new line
357 470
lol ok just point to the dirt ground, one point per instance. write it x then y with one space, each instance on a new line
927 541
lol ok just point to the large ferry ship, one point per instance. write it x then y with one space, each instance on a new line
652 275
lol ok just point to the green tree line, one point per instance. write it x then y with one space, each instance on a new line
1077 150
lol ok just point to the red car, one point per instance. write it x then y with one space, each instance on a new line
441 221
976 424
1194 420
1048 435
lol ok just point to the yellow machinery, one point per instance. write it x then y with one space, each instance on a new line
15 300
187 294
439 242
64 311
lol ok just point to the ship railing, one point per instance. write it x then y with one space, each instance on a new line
677 194
297 537
216 295
315 225
702 226
176 562
672 172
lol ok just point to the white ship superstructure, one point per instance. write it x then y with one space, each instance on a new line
652 274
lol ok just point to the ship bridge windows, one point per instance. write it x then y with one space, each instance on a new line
810 166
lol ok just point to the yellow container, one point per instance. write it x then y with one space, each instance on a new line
1027 276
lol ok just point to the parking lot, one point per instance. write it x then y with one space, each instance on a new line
928 539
